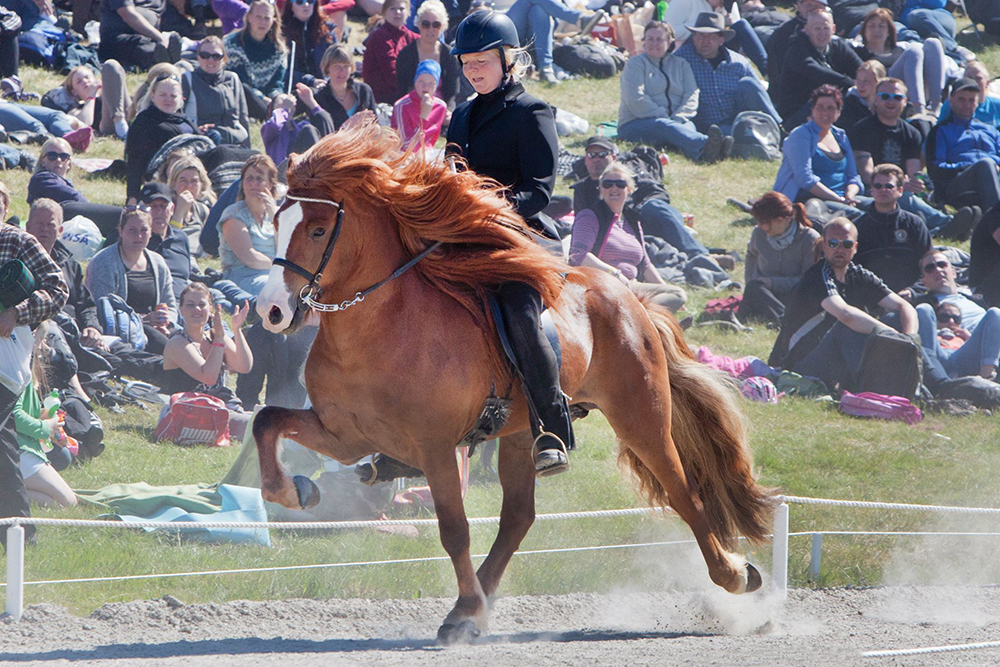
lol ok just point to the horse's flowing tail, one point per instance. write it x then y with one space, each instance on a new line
709 431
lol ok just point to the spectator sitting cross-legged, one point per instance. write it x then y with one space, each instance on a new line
419 114
659 100
781 249
257 56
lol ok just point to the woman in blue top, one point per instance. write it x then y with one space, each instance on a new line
818 162
247 245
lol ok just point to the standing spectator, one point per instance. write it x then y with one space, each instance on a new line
130 34
47 299
963 153
303 23
726 82
988 110
432 22
891 241
342 96
216 102
419 115
781 249
659 100
382 47
682 14
97 102
153 127
984 267
257 56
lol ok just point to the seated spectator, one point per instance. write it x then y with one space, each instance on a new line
140 100
656 215
859 102
817 160
816 57
257 56
832 311
988 110
984 267
230 13
782 247
432 22
247 243
726 82
198 356
96 102
193 196
153 127
979 353
781 39
608 237
215 100
378 67
166 240
35 119
283 135
885 138
765 21
659 100
336 17
130 34
682 14
142 278
342 96
920 65
963 153
891 241
535 24
930 18
950 333
419 115
37 431
303 23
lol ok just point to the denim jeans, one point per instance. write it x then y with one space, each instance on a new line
935 219
660 132
837 357
936 23
533 20
982 348
658 218
33 118
748 41
750 96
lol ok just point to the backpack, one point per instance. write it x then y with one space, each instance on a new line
117 318
880 406
891 363
194 419
589 58
756 137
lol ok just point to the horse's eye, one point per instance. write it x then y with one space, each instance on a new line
318 233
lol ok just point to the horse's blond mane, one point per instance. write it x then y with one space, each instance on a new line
484 240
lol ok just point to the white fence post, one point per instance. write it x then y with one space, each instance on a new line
815 556
15 571
779 558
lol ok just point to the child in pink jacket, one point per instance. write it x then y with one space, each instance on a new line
420 109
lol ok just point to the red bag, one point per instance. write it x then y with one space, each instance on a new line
880 406
194 419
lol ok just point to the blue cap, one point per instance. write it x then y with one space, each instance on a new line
428 67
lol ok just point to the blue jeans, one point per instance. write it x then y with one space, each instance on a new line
660 132
533 20
936 23
15 117
748 41
750 96
935 219
982 348
837 357
658 218
229 295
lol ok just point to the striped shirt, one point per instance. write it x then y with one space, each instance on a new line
621 249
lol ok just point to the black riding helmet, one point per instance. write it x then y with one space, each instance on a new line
484 30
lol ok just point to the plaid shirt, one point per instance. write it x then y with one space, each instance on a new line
717 86
50 292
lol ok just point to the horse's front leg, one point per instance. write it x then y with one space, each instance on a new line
303 426
468 619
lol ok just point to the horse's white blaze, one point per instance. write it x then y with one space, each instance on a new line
275 292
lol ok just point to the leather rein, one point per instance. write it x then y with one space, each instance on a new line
310 293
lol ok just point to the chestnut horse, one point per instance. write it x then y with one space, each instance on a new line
405 369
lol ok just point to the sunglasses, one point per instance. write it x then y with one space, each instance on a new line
166 77
132 208
54 155
614 183
430 24
480 5
883 186
836 243
302 2
599 155
891 96
210 56
940 264
944 318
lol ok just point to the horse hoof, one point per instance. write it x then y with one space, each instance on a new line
307 492
451 634
753 579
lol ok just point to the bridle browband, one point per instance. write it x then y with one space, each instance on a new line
310 293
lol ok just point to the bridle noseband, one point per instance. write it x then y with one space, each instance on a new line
310 293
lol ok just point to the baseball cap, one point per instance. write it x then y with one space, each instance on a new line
600 142
965 83
155 190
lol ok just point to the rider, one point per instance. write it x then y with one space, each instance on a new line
510 136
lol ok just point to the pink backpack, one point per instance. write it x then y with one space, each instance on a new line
880 406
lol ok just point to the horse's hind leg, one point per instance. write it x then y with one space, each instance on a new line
468 618
517 479
304 427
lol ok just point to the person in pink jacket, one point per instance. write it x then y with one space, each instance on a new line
419 110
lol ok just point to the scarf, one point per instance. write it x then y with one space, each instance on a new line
782 241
